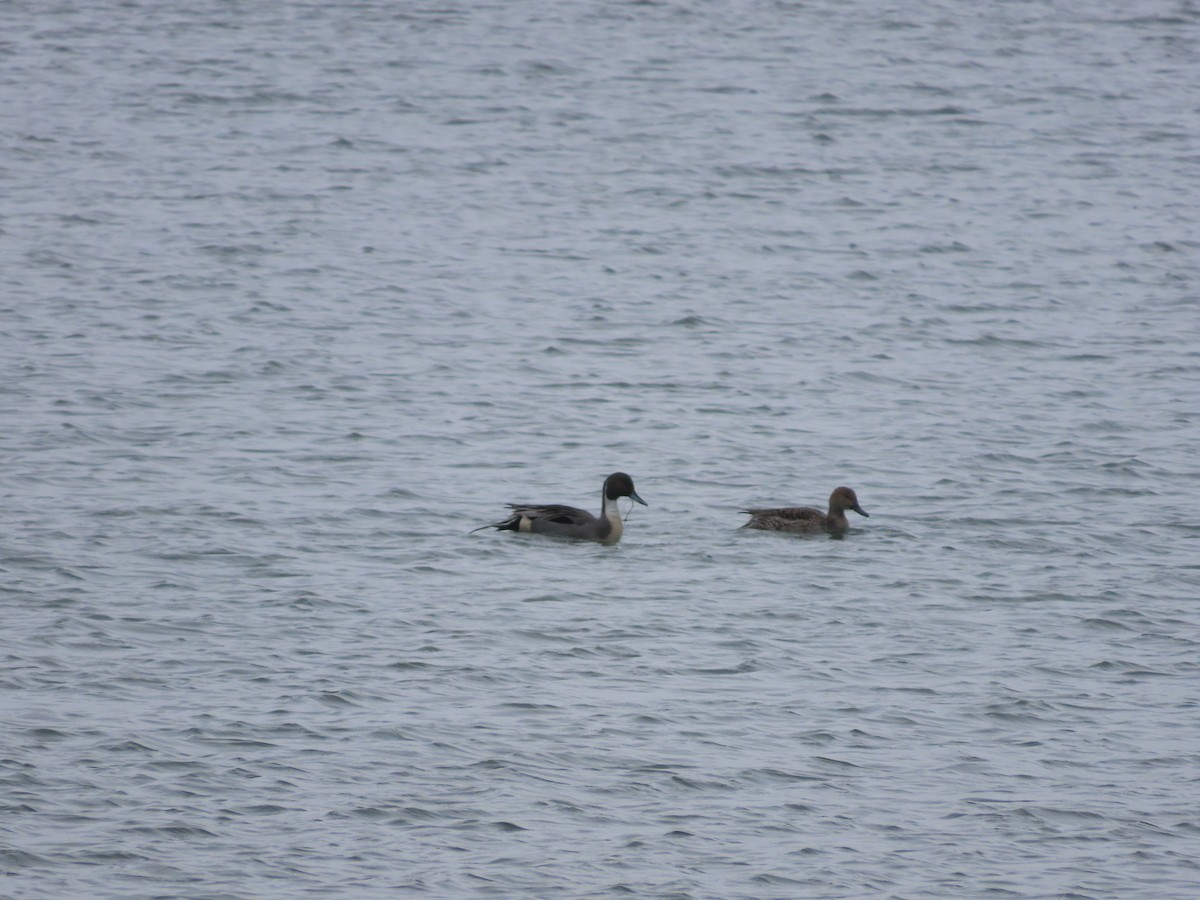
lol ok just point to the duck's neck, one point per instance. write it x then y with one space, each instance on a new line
610 511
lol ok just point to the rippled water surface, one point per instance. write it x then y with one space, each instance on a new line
294 295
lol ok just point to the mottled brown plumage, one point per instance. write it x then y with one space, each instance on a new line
805 519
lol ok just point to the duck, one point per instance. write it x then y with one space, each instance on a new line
569 522
806 519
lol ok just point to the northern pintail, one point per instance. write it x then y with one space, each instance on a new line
569 522
806 519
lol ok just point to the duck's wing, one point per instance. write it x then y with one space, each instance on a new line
784 517
554 513
792 513
552 517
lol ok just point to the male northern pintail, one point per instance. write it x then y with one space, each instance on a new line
806 519
567 521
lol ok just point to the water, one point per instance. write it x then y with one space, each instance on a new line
295 295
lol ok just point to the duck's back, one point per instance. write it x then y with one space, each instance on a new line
564 521
788 518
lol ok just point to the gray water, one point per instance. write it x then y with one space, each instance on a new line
294 295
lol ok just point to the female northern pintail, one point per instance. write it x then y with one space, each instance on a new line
567 521
806 519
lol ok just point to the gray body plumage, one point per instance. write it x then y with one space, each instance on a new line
572 522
